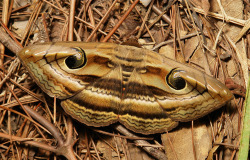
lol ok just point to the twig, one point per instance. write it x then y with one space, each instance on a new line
217 38
171 41
5 21
64 148
53 130
24 100
9 43
243 31
120 21
12 67
125 137
45 27
27 141
28 91
159 12
221 17
30 119
242 58
223 11
171 146
93 143
145 19
193 145
77 18
71 19
104 18
152 151
31 23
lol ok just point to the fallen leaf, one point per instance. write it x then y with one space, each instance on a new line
182 145
190 47
205 6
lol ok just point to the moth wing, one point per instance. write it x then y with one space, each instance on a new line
99 102
200 95
140 110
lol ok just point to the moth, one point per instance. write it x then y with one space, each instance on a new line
102 83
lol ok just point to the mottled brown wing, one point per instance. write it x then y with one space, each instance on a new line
99 102
139 109
201 95
90 93
151 104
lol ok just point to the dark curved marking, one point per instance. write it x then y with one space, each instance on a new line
206 85
45 82
186 98
107 84
117 111
207 111
182 99
65 87
126 75
47 51
61 74
137 88
78 112
56 71
133 88
127 68
115 85
85 78
87 105
144 115
83 54
198 104
125 79
160 92
149 125
128 59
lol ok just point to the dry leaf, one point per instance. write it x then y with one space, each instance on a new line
125 150
167 51
205 6
181 140
190 47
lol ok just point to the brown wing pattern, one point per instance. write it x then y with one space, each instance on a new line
143 90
